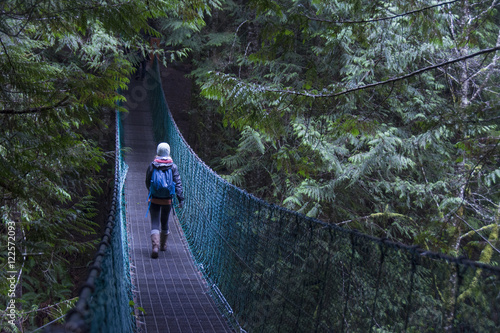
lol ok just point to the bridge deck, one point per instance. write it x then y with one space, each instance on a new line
170 289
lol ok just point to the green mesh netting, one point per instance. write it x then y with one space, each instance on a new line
103 305
273 270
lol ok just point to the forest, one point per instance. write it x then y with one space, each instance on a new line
379 116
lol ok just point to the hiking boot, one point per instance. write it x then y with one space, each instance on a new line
163 241
155 241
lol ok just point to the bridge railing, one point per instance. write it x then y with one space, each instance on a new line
105 302
274 270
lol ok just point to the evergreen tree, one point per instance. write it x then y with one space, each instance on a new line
378 115
63 64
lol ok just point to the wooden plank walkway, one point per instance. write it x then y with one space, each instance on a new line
170 289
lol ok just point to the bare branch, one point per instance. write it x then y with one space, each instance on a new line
477 232
399 78
482 70
35 110
384 18
478 16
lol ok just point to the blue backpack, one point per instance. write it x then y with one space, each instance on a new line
162 184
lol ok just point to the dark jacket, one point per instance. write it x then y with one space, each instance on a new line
165 164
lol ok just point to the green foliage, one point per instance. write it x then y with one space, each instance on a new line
63 64
413 160
405 160
386 173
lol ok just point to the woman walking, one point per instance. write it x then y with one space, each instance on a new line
162 170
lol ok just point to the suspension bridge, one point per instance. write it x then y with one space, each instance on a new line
235 263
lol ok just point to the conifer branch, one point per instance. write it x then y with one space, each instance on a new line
392 80
7 54
36 110
476 231
384 18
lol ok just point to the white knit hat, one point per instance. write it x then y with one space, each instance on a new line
163 150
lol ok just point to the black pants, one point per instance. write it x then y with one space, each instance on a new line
159 217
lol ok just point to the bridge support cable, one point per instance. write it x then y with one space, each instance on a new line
280 271
105 298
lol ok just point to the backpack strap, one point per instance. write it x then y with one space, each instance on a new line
149 202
